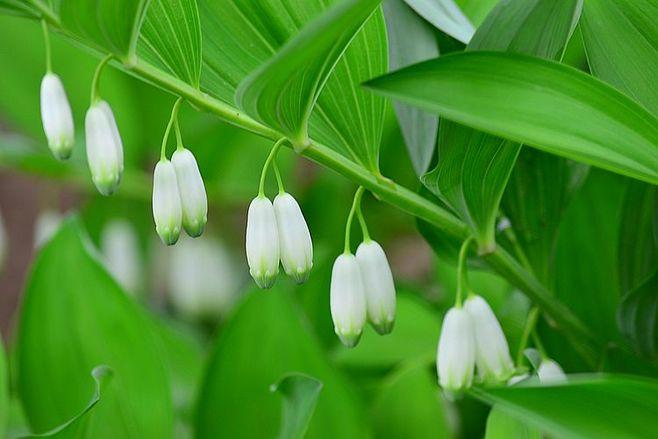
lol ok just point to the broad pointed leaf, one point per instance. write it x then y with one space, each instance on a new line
474 167
541 103
300 395
411 40
171 38
500 425
74 316
621 41
446 16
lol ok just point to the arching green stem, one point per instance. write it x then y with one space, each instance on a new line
530 323
348 227
46 43
172 119
539 345
179 136
279 180
266 166
362 223
462 281
97 76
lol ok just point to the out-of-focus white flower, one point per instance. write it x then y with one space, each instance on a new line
104 148
120 247
56 117
262 242
45 226
456 353
167 210
550 372
347 300
294 238
192 192
378 285
492 356
203 279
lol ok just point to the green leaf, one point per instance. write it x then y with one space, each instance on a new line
409 405
74 316
605 406
113 25
240 372
300 395
4 390
170 38
474 167
541 103
239 37
411 40
637 317
446 16
500 425
282 92
19 8
76 427
621 41
476 10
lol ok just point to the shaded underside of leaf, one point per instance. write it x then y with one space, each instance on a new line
446 16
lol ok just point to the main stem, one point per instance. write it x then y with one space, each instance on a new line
499 259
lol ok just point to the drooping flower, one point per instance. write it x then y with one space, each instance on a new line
550 372
294 238
192 192
104 148
262 242
456 353
378 285
167 211
347 300
56 117
492 357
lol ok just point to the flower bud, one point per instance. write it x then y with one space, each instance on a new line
378 285
167 211
550 372
56 117
294 238
347 299
104 148
192 192
262 242
492 356
456 354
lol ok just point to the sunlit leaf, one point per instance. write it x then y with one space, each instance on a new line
500 425
537 102
300 395
446 16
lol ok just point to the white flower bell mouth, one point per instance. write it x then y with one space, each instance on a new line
167 210
456 354
104 148
378 284
347 299
294 238
192 192
262 242
56 117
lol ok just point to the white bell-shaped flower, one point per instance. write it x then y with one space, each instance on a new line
56 117
104 148
378 285
262 242
167 211
492 357
347 300
550 372
294 238
192 192
455 359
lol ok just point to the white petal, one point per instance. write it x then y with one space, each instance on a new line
347 298
378 284
294 238
262 243
56 117
192 192
104 149
167 211
550 372
456 352
492 355
120 247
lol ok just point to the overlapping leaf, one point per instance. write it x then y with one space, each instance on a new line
474 167
539 103
170 38
300 395
638 317
411 40
500 425
446 16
